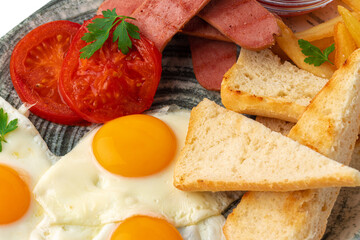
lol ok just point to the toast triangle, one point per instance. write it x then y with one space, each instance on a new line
260 84
226 151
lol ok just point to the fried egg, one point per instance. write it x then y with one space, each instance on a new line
121 174
23 159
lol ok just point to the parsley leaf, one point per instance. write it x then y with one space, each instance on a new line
108 13
314 55
99 31
6 127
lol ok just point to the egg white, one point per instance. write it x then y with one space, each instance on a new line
27 153
208 229
46 230
77 191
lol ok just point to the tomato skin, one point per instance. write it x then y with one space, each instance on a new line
110 84
35 66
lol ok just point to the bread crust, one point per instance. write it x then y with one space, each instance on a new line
217 186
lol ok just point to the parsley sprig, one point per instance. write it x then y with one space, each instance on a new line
6 127
99 31
314 55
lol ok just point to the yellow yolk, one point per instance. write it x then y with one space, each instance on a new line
134 146
14 195
145 227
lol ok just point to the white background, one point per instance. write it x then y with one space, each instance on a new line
15 11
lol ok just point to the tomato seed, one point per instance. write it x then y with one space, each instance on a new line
59 37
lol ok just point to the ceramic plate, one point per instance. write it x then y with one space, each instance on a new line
178 86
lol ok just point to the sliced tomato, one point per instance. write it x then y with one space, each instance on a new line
35 67
110 84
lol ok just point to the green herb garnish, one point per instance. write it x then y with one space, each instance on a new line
99 31
6 127
315 55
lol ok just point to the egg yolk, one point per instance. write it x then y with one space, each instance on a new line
145 227
14 195
134 145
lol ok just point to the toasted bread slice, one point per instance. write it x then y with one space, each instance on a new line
329 125
226 151
259 84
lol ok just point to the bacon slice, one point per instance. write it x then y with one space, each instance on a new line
123 7
199 28
160 20
211 60
245 22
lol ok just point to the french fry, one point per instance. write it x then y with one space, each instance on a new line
288 42
323 43
352 24
354 4
323 30
344 44
356 14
